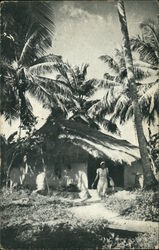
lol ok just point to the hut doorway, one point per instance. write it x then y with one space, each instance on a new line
91 170
116 171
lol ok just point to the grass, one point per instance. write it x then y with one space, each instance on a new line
35 221
135 205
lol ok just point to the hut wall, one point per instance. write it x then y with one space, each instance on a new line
130 174
53 180
76 174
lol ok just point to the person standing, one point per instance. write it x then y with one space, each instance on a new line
102 177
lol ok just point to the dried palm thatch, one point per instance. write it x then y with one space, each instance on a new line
94 142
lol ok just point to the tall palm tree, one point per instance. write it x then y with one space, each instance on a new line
121 96
148 174
147 46
26 30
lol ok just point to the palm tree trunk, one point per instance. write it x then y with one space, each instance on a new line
20 121
146 165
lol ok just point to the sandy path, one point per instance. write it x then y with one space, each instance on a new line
94 209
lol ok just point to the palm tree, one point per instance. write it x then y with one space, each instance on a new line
27 30
116 84
82 90
148 174
121 96
147 46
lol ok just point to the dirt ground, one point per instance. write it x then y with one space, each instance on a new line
36 221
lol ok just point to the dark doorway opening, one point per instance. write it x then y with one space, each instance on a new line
93 164
116 171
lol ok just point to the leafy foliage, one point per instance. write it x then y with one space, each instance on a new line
64 229
27 29
147 45
117 101
82 90
153 146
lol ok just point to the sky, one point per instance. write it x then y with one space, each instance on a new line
85 30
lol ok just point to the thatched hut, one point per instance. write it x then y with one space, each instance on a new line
73 151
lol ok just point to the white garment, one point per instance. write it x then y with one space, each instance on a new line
102 182
40 181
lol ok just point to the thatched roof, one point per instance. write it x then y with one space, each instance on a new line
94 142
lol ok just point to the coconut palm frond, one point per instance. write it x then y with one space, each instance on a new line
106 84
32 19
63 69
88 87
74 78
149 67
150 33
88 104
60 87
48 87
119 54
110 126
145 50
48 58
10 113
61 101
43 15
109 77
118 66
129 113
51 92
112 64
36 89
9 106
34 48
80 118
149 101
28 103
50 83
103 106
140 74
83 72
27 116
97 108
121 108
9 102
27 54
7 45
42 68
6 69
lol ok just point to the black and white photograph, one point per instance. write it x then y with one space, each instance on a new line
79 124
